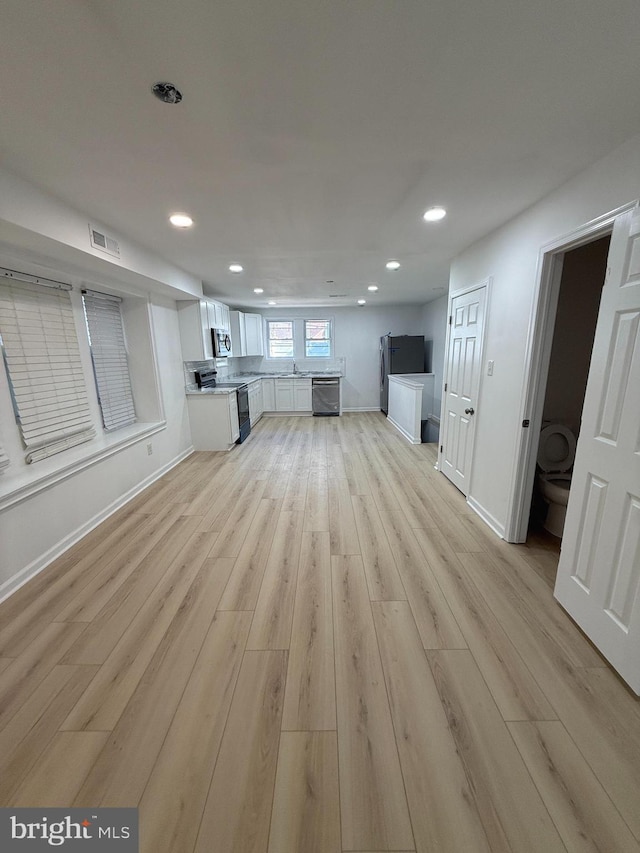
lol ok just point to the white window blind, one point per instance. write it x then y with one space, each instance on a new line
4 459
110 364
45 372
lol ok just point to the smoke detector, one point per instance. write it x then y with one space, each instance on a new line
167 93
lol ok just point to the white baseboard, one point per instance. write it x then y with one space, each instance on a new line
403 431
488 519
361 408
36 566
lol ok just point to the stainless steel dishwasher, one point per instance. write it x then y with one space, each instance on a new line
326 395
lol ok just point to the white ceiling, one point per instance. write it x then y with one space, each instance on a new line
313 134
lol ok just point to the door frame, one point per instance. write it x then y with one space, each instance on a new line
453 294
537 357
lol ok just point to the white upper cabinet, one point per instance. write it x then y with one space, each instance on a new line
246 334
196 318
253 334
195 331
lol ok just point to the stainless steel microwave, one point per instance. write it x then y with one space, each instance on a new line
221 343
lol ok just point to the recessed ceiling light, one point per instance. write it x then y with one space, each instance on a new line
271 303
258 290
393 265
181 220
373 288
433 214
362 301
235 268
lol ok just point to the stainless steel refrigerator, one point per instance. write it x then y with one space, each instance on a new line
399 354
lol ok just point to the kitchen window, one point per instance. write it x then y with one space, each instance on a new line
280 339
317 338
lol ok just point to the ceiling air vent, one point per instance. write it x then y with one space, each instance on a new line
337 296
99 240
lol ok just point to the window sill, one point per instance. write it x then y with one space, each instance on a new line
16 486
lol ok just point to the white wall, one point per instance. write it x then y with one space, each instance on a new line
357 333
434 329
38 527
510 257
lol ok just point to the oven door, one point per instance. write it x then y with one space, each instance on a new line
244 421
221 343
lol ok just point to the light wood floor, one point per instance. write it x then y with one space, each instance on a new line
312 644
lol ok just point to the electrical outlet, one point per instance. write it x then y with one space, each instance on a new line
490 367
149 449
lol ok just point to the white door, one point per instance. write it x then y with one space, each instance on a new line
462 383
598 580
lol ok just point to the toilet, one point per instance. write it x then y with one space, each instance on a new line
556 452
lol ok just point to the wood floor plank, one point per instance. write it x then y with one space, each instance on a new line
21 627
512 812
25 672
444 812
244 583
173 801
529 594
61 770
581 810
306 808
295 495
105 699
160 532
342 524
316 509
121 772
271 626
106 629
374 810
232 535
27 735
513 687
237 813
310 702
434 619
380 566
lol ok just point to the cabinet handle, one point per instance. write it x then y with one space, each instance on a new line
469 411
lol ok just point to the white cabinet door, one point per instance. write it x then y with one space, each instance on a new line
225 322
268 395
238 334
302 395
253 334
598 576
195 332
284 395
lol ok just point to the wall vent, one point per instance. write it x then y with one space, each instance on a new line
100 240
337 296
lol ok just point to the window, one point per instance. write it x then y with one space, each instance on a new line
317 338
280 339
43 362
109 356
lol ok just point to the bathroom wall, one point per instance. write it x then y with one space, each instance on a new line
581 284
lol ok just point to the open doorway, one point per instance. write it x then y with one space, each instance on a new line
571 327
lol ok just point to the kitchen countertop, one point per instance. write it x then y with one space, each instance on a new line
250 378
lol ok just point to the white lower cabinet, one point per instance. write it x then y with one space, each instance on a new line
255 402
268 395
302 395
292 395
214 420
